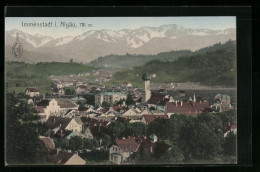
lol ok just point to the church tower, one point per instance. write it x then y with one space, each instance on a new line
146 92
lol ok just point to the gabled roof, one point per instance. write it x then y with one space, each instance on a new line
39 109
156 98
82 108
130 144
62 157
54 122
188 108
43 103
32 90
82 87
48 142
150 117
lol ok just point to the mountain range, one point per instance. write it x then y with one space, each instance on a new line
92 44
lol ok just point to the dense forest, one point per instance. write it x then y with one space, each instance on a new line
215 66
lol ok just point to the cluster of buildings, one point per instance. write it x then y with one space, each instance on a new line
65 118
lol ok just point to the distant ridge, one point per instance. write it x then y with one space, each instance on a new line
92 44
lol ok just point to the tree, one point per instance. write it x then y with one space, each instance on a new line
117 128
229 145
120 102
89 144
75 143
23 145
63 144
90 99
129 100
105 104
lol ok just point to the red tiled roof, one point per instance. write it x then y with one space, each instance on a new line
188 108
130 144
83 87
93 88
32 89
48 142
62 157
156 98
39 109
54 122
150 117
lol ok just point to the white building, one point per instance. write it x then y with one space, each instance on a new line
110 97
32 92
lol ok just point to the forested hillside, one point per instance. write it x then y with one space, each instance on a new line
213 66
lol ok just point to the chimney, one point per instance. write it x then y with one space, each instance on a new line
176 103
181 102
53 120
194 98
57 151
151 149
129 137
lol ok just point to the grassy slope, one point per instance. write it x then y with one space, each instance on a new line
213 66
19 76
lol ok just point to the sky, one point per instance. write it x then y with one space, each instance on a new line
114 23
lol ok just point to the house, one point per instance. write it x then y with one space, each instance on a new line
55 124
149 118
222 103
81 89
152 147
193 108
127 84
94 131
48 142
32 92
41 114
110 97
146 111
56 107
78 99
222 98
227 128
58 91
121 149
131 113
107 79
157 99
66 158
59 85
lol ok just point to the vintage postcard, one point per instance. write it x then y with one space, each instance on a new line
120 90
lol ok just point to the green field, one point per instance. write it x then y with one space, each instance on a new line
20 76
